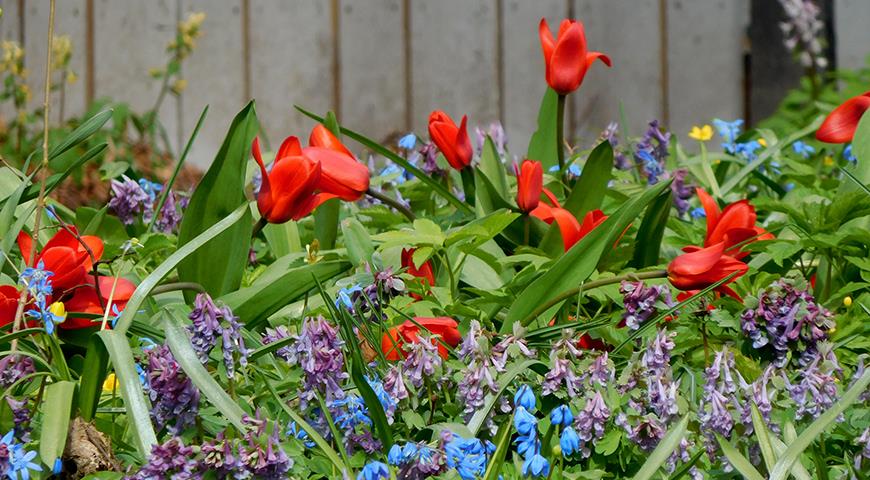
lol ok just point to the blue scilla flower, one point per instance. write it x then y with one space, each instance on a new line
525 398
698 212
37 281
395 456
747 149
524 422
352 411
408 142
393 169
536 466
467 456
58 466
374 471
803 149
569 441
48 315
561 415
20 460
526 444
729 131
574 170
345 296
150 188
847 154
387 402
293 430
116 314
553 169
471 467
788 186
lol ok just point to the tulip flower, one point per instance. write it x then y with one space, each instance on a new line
453 141
566 57
530 182
8 304
735 225
699 268
408 332
69 256
85 299
288 191
841 123
341 174
424 271
572 231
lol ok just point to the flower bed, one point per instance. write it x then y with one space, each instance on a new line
448 308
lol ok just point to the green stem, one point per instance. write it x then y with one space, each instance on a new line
175 286
589 286
397 205
467 175
527 225
258 226
560 135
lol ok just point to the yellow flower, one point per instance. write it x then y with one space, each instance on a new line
71 77
701 134
58 309
829 160
111 383
179 86
847 301
762 142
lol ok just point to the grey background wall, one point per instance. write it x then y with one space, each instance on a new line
383 65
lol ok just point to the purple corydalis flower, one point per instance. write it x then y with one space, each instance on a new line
802 32
786 319
719 391
496 132
651 151
318 352
477 378
20 418
761 393
657 356
864 443
646 434
174 398
816 389
601 371
682 191
394 383
500 350
14 368
640 302
610 134
222 456
590 421
170 215
206 328
273 335
169 460
128 200
422 360
265 458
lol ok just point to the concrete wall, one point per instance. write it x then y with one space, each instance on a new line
383 65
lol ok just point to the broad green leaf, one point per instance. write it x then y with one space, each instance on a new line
357 241
135 403
55 420
665 448
861 149
542 146
578 263
93 374
255 303
326 223
798 470
54 180
648 242
81 133
312 433
783 467
502 445
162 270
763 436
283 238
179 343
219 193
9 239
487 199
737 460
7 214
375 147
491 167
505 380
591 187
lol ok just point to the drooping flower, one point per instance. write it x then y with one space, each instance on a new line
729 131
451 140
525 398
569 441
590 421
467 456
536 466
374 471
863 443
20 461
681 191
407 142
171 459
273 335
651 152
129 199
699 268
263 456
657 356
735 225
318 351
530 182
342 174
566 56
14 368
816 388
422 360
719 391
174 398
561 415
840 125
478 378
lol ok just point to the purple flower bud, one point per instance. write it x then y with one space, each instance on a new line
129 200
174 398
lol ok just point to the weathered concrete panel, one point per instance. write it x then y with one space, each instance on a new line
853 36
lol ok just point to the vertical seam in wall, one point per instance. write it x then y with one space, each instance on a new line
179 105
336 58
408 53
246 51
663 55
21 24
499 58
571 109
89 52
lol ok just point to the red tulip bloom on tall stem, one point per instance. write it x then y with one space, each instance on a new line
571 230
451 140
530 184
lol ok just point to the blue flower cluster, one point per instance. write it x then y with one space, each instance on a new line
37 281
15 461
528 444
415 460
469 456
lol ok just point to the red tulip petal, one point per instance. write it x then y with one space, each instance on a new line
25 245
65 237
592 56
391 345
711 209
464 149
841 123
569 227
551 197
591 220
289 148
324 138
568 62
530 182
8 304
293 181
341 174
547 43
697 261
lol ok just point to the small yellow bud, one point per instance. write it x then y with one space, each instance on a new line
59 310
179 86
71 78
702 134
829 160
847 301
557 451
111 383
762 142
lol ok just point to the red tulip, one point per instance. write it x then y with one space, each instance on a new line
287 192
8 304
66 254
735 226
567 58
588 343
408 332
341 173
699 268
841 123
85 300
530 182
572 231
453 141
424 271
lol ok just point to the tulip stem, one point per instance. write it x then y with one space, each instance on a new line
589 286
392 202
560 135
175 286
258 226
467 175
